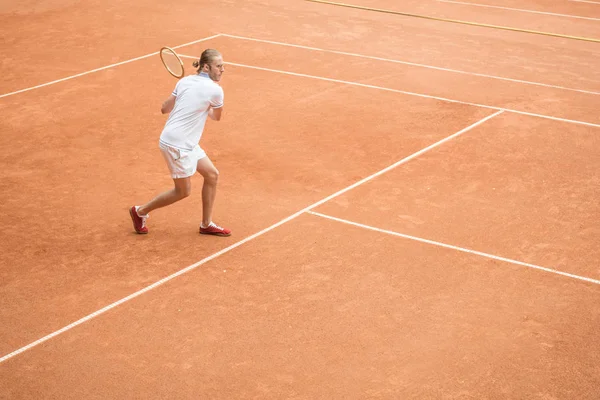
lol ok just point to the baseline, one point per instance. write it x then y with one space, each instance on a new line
457 71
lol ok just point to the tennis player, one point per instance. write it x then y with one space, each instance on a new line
195 98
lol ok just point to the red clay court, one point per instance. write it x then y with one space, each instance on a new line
415 202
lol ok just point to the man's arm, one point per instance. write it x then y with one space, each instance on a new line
168 104
215 113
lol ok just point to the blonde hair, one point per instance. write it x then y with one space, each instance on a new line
205 58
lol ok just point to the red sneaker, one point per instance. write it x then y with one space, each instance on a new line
139 221
214 229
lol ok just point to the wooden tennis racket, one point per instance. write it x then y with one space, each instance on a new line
172 62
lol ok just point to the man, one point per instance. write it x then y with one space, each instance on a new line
195 98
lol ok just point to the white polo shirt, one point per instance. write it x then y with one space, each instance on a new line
185 124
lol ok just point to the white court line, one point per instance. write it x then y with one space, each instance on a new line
519 9
461 249
249 238
103 68
572 121
457 71
586 1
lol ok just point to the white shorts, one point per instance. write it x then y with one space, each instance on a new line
182 163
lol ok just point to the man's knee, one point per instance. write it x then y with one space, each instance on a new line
212 176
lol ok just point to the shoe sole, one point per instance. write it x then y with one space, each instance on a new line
216 234
133 220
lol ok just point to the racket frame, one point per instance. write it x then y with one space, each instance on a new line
162 50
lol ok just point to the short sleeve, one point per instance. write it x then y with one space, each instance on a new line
174 93
216 100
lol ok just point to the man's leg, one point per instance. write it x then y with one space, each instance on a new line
209 191
139 215
182 189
